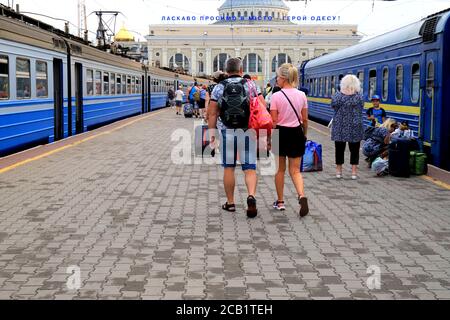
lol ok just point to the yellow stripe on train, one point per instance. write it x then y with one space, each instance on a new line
411 110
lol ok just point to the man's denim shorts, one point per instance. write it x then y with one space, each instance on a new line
236 144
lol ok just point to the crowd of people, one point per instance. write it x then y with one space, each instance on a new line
224 106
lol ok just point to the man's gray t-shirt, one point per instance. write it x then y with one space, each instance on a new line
217 94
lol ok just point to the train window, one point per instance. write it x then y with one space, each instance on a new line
133 84
415 82
360 76
138 85
385 83
41 79
430 79
372 83
333 85
321 87
128 85
341 76
327 86
399 83
98 83
316 88
124 84
119 84
105 83
4 77
113 83
23 76
89 82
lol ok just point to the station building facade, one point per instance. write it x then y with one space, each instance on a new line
263 44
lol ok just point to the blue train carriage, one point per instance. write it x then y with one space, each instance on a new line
27 56
37 89
408 68
104 88
161 82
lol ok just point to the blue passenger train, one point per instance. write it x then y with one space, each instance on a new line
54 85
408 68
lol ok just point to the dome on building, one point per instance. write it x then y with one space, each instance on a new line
244 12
229 4
124 35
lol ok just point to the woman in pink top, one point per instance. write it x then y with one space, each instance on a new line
289 110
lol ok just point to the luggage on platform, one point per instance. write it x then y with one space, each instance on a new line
312 160
188 110
399 153
418 163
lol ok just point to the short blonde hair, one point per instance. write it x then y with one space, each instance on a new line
290 73
350 84
388 123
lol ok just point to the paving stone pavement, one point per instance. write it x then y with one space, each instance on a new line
140 227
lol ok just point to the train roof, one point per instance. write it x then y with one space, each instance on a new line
43 36
20 28
410 32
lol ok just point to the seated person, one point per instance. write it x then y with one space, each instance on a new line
403 131
378 142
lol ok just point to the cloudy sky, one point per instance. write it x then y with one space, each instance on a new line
372 17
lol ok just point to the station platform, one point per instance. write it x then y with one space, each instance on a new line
138 226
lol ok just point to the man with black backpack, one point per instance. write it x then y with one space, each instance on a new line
229 112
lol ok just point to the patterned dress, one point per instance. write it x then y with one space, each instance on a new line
375 144
348 123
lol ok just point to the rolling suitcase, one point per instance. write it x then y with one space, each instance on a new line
188 110
202 142
399 154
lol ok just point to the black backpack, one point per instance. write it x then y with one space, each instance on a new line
235 105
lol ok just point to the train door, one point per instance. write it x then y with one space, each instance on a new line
58 96
143 94
79 122
149 95
428 103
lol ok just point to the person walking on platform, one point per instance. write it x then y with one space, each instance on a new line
192 101
171 98
348 125
218 77
179 95
258 89
231 99
268 90
289 110
202 103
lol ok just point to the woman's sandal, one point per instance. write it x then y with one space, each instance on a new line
229 207
304 208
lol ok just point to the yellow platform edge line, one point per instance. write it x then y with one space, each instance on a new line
47 154
436 182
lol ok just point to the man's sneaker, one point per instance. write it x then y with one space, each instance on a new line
279 205
252 211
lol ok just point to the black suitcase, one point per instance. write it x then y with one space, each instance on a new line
399 153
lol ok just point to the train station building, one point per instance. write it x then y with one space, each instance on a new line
263 44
